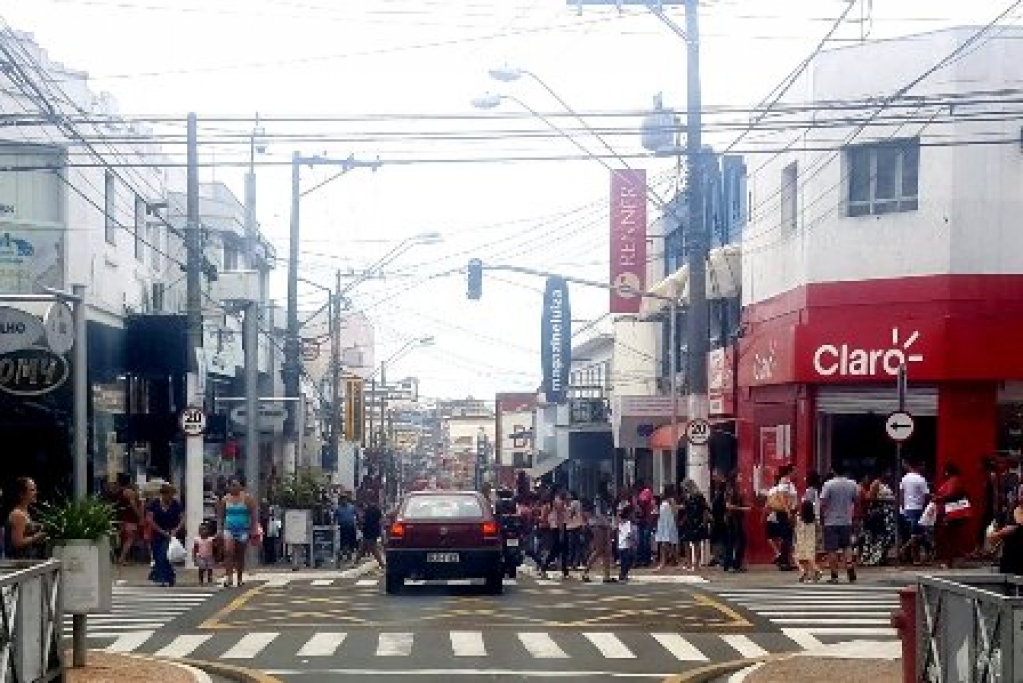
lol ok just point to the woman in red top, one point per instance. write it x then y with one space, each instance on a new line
953 538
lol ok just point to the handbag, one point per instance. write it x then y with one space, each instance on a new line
930 515
176 551
957 509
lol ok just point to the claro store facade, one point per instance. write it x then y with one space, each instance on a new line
818 368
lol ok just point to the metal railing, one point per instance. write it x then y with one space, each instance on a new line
968 628
31 622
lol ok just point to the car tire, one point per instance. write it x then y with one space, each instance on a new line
495 583
393 583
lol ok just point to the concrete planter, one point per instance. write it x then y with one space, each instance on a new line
86 567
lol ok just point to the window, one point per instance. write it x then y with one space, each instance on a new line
790 197
140 229
231 257
442 507
883 178
110 207
156 246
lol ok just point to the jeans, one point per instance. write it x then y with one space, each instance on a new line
641 555
163 570
628 558
734 547
559 549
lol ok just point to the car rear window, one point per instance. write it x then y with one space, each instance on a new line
442 507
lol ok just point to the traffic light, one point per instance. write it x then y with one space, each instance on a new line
475 279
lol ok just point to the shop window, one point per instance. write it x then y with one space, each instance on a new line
882 178
790 197
110 207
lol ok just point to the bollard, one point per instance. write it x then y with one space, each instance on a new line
904 619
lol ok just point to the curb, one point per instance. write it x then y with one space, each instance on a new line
229 671
711 672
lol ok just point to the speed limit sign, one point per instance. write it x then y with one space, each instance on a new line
193 421
698 432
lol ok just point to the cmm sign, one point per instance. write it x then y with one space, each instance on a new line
32 372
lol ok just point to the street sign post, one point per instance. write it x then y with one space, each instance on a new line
899 426
193 421
698 432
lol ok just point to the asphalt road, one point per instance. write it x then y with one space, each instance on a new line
345 629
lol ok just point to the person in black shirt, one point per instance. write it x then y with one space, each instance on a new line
371 532
735 524
1010 536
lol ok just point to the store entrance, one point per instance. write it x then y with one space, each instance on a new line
857 443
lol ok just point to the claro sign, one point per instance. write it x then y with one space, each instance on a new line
844 359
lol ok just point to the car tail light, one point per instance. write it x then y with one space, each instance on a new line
397 530
490 529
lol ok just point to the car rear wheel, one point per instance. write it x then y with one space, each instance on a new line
495 584
393 583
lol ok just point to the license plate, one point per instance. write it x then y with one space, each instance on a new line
447 558
512 542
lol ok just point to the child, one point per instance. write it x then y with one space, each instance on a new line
202 554
806 542
627 535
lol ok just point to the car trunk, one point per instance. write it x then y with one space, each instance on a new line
443 534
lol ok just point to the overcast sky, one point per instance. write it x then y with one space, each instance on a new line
396 70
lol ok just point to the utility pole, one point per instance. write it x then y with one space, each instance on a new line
335 372
194 397
250 334
697 245
292 343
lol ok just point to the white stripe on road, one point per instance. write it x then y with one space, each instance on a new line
744 646
541 646
323 582
803 638
322 645
367 582
511 582
878 612
249 646
609 645
182 646
127 642
277 582
394 645
835 621
459 582
679 647
468 644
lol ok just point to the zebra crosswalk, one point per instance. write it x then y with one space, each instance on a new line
523 579
461 645
143 609
806 613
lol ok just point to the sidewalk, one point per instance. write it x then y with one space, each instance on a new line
855 662
102 667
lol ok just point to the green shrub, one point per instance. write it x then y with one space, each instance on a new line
88 519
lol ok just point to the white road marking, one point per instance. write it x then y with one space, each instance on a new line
609 645
367 582
741 676
323 582
511 582
468 644
394 645
541 646
459 582
277 582
803 638
322 645
127 642
679 647
670 579
835 621
250 645
182 646
744 646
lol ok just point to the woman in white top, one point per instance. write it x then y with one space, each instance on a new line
666 535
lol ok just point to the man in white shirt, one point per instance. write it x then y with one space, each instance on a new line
913 496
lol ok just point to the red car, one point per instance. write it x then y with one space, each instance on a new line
444 535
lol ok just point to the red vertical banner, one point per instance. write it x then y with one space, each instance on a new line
628 239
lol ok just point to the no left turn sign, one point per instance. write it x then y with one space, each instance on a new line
899 426
698 432
193 421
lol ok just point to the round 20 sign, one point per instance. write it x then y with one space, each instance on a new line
193 421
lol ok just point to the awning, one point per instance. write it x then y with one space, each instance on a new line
724 279
545 466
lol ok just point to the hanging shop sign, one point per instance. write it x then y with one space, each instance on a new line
628 239
556 340
32 372
18 329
